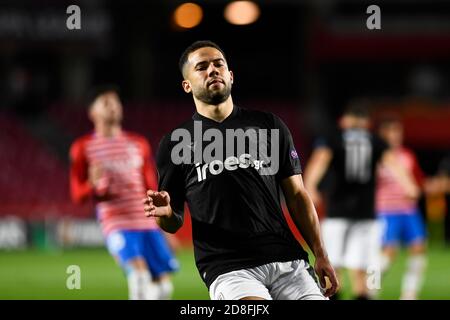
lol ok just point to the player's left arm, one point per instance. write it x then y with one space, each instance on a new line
167 204
80 187
315 171
304 215
86 179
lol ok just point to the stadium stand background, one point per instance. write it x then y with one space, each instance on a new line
301 60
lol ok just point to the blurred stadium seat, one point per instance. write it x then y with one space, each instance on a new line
34 182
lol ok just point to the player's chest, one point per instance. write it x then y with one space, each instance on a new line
120 156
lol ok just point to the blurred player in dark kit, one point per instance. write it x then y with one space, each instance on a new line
351 232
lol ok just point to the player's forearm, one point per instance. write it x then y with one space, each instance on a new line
80 191
170 222
316 168
306 220
313 175
405 179
402 175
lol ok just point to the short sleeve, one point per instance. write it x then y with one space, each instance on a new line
170 177
288 156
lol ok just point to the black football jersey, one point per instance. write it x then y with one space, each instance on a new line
233 193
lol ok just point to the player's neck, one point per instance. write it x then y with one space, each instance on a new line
217 112
107 130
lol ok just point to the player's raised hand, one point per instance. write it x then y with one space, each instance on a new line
95 173
324 270
157 204
101 181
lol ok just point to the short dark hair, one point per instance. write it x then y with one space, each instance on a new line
99 90
358 108
194 47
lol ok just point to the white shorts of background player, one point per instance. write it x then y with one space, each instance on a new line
352 244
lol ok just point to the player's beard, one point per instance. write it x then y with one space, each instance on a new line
213 97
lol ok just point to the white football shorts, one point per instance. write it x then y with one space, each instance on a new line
292 280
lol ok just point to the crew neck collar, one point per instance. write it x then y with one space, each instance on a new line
198 116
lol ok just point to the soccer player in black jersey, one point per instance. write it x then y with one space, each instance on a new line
242 244
351 232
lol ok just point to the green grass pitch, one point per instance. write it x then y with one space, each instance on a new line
37 274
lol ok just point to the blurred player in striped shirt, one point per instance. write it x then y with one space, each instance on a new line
115 167
401 218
